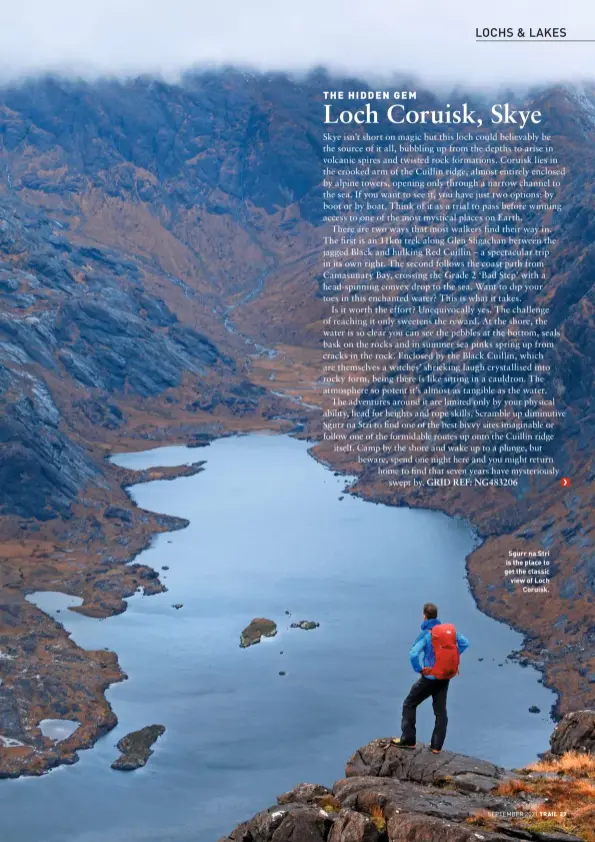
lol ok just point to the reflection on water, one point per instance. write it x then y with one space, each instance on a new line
58 729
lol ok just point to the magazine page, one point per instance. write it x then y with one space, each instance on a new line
297 411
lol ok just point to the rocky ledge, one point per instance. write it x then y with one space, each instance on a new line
136 748
393 795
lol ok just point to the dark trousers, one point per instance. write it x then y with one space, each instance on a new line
437 688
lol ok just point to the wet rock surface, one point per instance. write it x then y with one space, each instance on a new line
397 796
136 747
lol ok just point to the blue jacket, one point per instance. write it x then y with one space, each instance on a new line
423 646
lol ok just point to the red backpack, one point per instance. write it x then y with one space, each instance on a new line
444 641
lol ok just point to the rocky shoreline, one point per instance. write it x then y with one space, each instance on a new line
66 752
28 752
136 748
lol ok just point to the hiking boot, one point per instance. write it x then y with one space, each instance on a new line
397 741
436 750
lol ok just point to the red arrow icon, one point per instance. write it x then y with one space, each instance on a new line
565 482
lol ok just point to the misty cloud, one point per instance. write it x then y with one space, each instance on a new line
430 39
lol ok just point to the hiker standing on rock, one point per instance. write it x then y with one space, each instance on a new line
440 646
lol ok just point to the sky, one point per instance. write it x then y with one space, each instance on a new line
432 40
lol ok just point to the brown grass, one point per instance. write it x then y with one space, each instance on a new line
378 817
482 818
566 803
329 804
571 763
586 788
513 787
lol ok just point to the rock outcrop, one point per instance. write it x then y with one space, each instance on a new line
136 748
392 795
257 629
576 732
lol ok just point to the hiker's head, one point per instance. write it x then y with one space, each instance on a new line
430 611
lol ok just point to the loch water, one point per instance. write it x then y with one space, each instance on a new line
271 531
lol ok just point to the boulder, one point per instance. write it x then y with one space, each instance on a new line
576 732
351 826
295 822
382 759
367 794
304 794
416 828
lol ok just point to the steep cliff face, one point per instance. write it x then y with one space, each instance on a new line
80 317
160 253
